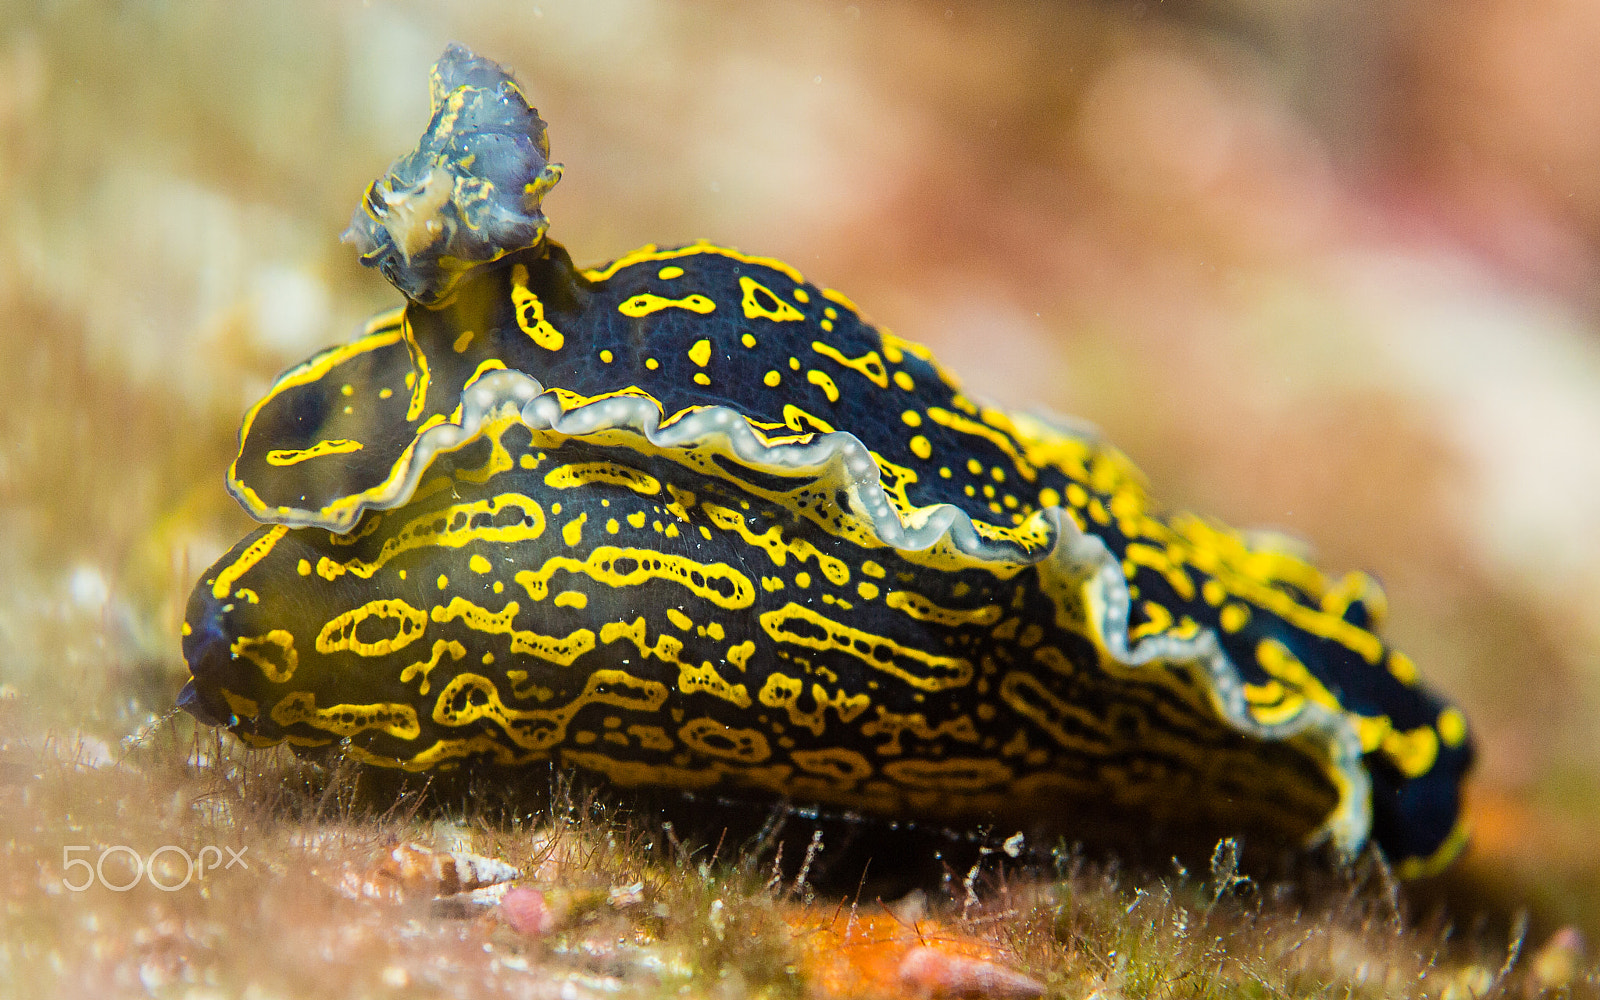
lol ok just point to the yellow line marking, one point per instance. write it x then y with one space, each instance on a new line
294 456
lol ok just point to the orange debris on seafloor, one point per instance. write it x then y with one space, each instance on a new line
850 954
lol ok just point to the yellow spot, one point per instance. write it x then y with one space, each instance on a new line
628 567
636 519
470 697
1234 617
700 352
385 393
924 610
783 691
395 718
760 302
1402 667
1413 752
679 619
667 649
424 667
1069 724
802 580
682 500
256 552
303 567
920 447
776 548
607 357
801 295
530 312
869 364
834 763
1213 592
701 378
1049 498
571 599
827 325
998 438
1452 726
247 708
498 586
713 738
274 653
418 378
912 418
478 564
186 630
646 303
903 380
772 378
954 774
823 382
794 363
558 650
873 569
294 456
651 737
652 363
1150 557
1281 663
669 272
922 670
748 340
740 655
1273 704
572 533
512 518
340 633
347 389
462 342
443 581
867 590
612 527
582 474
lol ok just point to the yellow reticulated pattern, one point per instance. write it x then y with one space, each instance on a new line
689 521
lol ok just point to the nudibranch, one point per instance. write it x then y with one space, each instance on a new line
688 521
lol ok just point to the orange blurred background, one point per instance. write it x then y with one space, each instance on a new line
1328 268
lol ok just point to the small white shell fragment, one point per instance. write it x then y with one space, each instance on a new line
928 972
412 870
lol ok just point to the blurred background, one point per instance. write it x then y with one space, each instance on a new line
1331 268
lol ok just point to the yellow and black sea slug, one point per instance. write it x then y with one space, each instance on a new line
688 521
